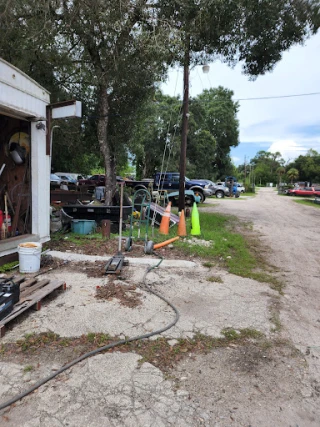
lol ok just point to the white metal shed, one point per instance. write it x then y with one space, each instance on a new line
23 104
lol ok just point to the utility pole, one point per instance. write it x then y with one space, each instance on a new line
245 170
185 117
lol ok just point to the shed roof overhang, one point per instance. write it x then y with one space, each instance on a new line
21 96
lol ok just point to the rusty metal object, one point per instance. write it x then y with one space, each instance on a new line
106 228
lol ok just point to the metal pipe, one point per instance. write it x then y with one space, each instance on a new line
121 208
185 117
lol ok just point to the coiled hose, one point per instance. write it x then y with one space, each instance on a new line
106 347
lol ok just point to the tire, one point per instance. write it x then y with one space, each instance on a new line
189 201
128 244
148 248
219 194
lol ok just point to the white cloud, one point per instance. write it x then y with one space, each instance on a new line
288 148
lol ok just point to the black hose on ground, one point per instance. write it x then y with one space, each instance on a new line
106 347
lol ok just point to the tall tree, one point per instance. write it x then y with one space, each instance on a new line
110 51
215 113
213 129
100 45
308 166
266 165
293 174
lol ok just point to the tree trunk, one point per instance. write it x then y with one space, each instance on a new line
103 140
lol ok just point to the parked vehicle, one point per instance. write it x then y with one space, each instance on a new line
97 180
70 177
170 182
55 179
304 192
240 188
216 190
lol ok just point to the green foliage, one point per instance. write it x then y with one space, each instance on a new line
293 174
110 56
267 167
230 249
254 32
159 118
213 129
308 167
8 267
307 202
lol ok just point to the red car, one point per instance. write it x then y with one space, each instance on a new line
305 192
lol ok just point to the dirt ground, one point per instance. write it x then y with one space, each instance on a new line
252 383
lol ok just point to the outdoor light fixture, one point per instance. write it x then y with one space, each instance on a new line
205 68
41 126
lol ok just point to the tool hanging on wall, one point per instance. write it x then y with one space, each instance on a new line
6 216
2 167
18 206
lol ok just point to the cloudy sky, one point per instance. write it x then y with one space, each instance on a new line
290 125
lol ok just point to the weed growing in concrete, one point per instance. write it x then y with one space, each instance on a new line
275 319
28 368
208 264
33 340
215 279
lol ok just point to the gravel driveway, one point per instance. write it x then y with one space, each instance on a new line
275 383
291 231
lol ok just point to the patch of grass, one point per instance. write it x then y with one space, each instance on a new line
307 202
76 239
275 319
208 264
157 352
215 279
238 254
249 193
251 333
8 267
32 341
98 339
28 368
230 334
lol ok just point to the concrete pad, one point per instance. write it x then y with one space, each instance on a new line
105 390
132 261
204 306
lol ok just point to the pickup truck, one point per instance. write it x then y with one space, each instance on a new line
169 181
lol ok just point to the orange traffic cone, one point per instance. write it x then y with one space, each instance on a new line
182 229
165 220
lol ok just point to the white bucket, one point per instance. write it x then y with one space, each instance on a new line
29 257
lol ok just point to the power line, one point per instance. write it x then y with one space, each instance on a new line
278 96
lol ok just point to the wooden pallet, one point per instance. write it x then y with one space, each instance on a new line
32 292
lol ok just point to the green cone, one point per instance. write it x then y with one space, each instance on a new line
195 221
